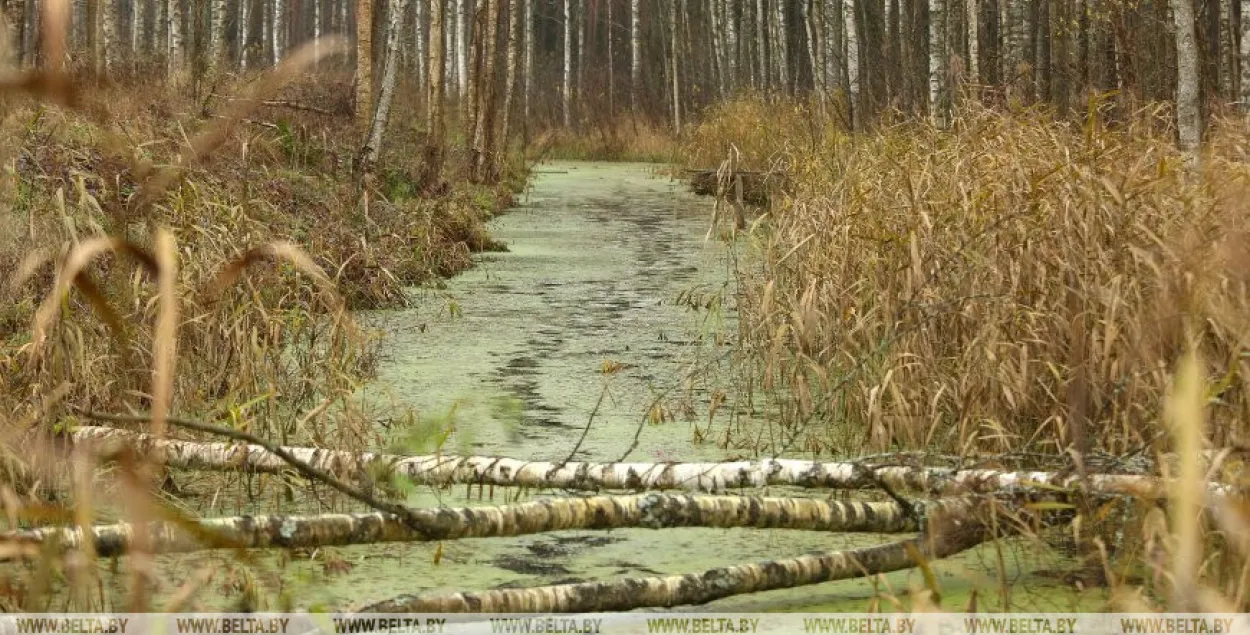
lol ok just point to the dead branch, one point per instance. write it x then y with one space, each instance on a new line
654 511
702 587
588 476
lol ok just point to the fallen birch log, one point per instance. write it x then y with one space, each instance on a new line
697 588
655 511
589 476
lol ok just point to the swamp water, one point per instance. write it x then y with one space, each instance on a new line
510 359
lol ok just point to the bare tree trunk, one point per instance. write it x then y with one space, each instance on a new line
419 33
972 19
937 62
1245 56
852 62
566 89
782 43
364 65
579 95
471 104
381 115
433 166
462 50
672 16
761 18
706 477
529 65
731 36
611 65
279 32
110 30
245 31
483 158
216 36
635 48
510 73
652 511
176 59
1188 115
698 588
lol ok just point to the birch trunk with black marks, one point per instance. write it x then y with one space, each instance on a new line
937 62
635 53
852 63
585 476
566 88
651 511
216 37
421 60
175 56
377 129
462 49
695 588
1188 115
529 64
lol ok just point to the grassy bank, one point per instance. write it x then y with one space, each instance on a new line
274 236
1000 293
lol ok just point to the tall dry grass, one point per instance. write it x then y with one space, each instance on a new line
1011 284
1011 287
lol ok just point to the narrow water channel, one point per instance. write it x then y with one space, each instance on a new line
510 359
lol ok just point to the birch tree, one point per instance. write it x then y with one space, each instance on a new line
635 52
217 35
676 83
381 114
435 92
462 49
1188 116
566 88
174 55
937 61
510 71
483 156
529 62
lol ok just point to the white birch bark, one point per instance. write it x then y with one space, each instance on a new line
419 30
216 35
462 49
698 587
529 60
245 17
1187 114
382 112
279 30
852 60
175 59
589 476
673 25
566 88
937 61
635 52
650 511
